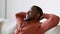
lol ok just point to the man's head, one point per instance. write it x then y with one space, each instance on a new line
35 12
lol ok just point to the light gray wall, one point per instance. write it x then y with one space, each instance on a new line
14 6
2 8
48 6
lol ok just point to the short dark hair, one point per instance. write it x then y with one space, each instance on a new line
38 9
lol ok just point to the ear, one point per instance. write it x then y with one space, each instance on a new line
42 17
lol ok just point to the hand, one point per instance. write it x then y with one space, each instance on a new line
15 32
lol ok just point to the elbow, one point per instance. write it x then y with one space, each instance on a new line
19 14
16 15
55 19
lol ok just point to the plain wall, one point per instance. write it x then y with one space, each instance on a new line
14 6
2 8
48 6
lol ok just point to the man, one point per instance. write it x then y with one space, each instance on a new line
29 22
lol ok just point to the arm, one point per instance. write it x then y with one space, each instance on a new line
21 14
19 18
52 20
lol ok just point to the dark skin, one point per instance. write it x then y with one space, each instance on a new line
33 13
52 20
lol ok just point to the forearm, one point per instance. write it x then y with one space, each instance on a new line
52 21
17 30
20 17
